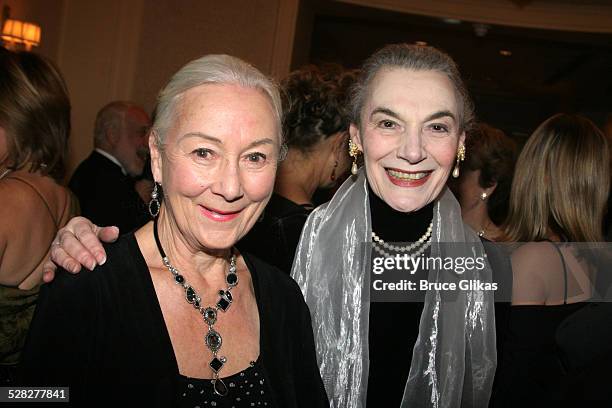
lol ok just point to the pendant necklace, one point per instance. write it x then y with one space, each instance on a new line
212 338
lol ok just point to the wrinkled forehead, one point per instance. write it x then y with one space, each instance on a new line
408 90
225 109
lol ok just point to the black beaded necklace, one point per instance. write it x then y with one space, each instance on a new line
212 338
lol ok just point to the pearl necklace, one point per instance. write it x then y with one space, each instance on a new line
422 244
212 338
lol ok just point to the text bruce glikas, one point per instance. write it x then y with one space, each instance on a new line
405 262
412 264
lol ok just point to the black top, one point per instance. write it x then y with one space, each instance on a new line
247 388
394 326
276 235
540 365
107 196
530 373
391 340
103 333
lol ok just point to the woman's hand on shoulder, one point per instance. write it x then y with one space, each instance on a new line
78 243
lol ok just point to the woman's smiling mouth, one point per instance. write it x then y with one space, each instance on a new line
407 178
218 215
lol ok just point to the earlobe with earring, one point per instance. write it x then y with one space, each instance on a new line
155 204
460 158
354 153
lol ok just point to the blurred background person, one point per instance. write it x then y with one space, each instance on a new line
315 125
558 197
483 188
34 129
103 182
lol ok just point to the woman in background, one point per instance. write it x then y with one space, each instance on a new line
483 189
558 198
34 128
315 125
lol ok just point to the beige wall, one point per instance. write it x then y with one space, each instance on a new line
171 37
128 49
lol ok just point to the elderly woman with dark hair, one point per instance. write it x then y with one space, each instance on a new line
177 315
483 189
34 128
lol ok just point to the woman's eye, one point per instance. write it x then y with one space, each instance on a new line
436 127
202 153
256 157
386 124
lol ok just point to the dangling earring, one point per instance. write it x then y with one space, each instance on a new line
460 158
154 204
333 175
483 195
354 153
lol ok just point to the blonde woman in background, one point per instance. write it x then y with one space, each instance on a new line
34 128
558 198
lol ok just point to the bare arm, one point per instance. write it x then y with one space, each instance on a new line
78 243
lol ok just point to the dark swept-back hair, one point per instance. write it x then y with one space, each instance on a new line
493 153
413 58
34 112
315 102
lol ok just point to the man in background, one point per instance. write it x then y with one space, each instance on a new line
104 181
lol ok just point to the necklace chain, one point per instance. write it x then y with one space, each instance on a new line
420 245
4 173
212 338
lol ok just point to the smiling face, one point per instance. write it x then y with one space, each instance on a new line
218 163
409 135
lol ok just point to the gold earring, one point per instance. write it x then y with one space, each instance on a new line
460 158
353 152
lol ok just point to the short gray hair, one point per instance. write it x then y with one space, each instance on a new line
110 117
414 58
211 69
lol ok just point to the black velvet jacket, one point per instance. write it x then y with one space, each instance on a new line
103 334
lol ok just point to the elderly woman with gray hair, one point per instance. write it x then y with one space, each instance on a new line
177 316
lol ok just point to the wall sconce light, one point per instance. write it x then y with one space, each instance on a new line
17 34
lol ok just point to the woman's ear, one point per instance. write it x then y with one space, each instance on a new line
156 159
356 136
491 189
